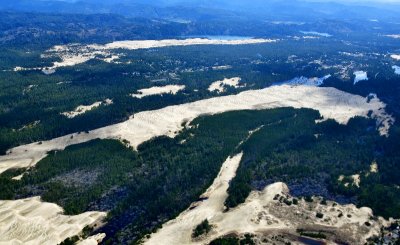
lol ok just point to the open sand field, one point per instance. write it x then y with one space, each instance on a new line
207 209
395 56
360 76
146 44
396 69
265 214
31 221
330 102
168 89
219 85
82 109
75 54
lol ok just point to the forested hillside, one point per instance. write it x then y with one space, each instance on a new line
144 189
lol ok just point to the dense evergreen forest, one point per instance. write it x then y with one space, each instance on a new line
143 189
31 102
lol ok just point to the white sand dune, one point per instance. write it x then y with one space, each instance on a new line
396 69
360 76
330 102
396 36
179 230
168 89
31 221
314 81
82 109
395 56
218 68
321 34
218 86
74 54
146 44
261 213
92 240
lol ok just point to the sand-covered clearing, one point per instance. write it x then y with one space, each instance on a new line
396 69
219 68
92 240
395 56
330 102
396 36
219 86
360 76
266 212
146 44
168 89
74 54
31 221
373 167
82 109
321 34
314 81
179 230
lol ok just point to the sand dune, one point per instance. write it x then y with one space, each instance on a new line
146 44
168 89
330 102
92 240
82 109
187 221
31 221
360 76
74 54
263 213
395 56
396 69
218 86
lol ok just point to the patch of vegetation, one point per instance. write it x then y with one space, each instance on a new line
225 241
312 234
318 235
246 240
70 240
203 228
289 151
144 189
